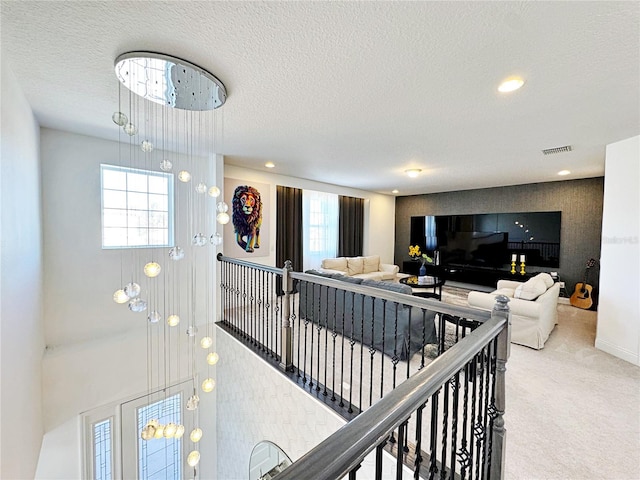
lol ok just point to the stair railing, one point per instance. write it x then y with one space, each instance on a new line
450 424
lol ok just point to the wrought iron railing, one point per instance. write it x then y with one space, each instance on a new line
365 349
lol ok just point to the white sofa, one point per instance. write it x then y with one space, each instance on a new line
360 267
533 305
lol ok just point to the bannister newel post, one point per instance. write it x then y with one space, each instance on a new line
503 350
286 362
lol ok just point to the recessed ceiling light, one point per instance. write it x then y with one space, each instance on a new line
511 84
413 172
395 191
564 172
270 165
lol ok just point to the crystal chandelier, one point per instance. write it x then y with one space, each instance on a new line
168 107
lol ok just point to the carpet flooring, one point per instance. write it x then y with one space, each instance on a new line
573 411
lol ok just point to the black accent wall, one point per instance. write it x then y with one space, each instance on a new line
580 202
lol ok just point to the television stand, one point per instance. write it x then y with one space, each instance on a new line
472 274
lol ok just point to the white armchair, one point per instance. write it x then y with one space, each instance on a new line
533 305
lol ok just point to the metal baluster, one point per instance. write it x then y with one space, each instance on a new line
442 333
424 336
463 453
292 325
252 298
319 329
384 323
454 423
248 319
479 427
372 352
400 451
306 326
418 460
352 473
326 340
395 359
445 429
315 319
409 342
352 342
379 449
334 335
344 300
361 405
304 285
433 441
472 437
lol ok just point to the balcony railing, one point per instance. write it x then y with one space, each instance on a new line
419 378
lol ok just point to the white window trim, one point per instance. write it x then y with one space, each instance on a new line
89 419
170 207
114 411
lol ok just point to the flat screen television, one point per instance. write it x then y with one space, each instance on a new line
478 249
489 240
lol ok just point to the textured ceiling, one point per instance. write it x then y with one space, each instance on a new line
354 93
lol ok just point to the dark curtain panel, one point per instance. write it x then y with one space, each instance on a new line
289 226
350 226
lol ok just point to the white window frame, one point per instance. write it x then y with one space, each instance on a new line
320 212
90 419
125 435
170 207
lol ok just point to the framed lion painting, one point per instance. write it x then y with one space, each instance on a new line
247 233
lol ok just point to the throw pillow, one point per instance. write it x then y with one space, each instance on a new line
354 265
546 278
531 289
371 264
339 263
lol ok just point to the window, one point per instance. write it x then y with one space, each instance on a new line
101 444
162 459
320 227
114 449
102 448
137 208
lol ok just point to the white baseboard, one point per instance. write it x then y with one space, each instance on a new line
564 300
616 351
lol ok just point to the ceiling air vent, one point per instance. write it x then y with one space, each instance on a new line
553 151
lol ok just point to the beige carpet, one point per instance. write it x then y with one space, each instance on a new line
573 412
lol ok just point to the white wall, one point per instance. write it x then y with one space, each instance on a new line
22 341
97 351
255 402
618 330
379 219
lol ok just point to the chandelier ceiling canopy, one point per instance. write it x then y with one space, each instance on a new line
170 81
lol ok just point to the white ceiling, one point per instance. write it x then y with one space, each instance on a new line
354 93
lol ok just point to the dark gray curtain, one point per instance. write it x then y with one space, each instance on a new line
350 226
289 226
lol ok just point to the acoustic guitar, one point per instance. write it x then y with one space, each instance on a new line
581 297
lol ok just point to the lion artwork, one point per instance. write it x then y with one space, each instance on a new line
247 217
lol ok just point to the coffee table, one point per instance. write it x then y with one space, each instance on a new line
429 287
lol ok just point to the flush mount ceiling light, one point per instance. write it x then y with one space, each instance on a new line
170 81
511 84
564 172
413 172
395 191
270 165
